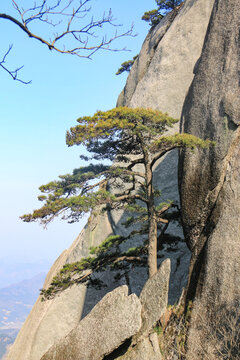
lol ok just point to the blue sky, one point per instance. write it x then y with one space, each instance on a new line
34 119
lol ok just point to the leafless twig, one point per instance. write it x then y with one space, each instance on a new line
78 30
12 73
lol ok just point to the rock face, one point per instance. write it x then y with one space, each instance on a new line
210 186
140 66
160 78
147 348
210 179
114 319
154 296
50 320
173 48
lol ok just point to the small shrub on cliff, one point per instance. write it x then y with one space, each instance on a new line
172 332
164 6
126 65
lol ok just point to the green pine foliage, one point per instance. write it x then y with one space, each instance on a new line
107 255
129 137
164 6
153 17
115 134
126 66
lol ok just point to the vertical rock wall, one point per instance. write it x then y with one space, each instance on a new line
210 179
210 186
176 44
173 48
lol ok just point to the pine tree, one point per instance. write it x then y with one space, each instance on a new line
127 137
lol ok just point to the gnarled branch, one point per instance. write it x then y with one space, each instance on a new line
77 31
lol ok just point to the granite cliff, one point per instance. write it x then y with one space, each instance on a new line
161 77
210 180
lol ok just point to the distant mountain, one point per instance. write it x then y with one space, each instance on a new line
16 302
14 272
7 338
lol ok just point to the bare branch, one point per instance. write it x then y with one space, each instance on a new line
131 197
12 73
77 36
77 32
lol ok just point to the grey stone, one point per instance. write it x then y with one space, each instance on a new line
144 58
162 83
154 297
210 179
48 320
169 74
114 319
53 319
210 186
146 349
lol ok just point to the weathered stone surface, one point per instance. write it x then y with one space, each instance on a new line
146 349
154 300
114 319
52 319
154 296
210 186
28 344
162 84
170 72
144 59
210 179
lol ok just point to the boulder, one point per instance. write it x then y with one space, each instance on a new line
113 320
50 320
146 349
154 300
116 319
154 296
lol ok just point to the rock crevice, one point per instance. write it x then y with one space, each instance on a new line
210 179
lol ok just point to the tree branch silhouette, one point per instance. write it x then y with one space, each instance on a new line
78 31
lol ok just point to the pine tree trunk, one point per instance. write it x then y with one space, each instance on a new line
152 246
152 220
